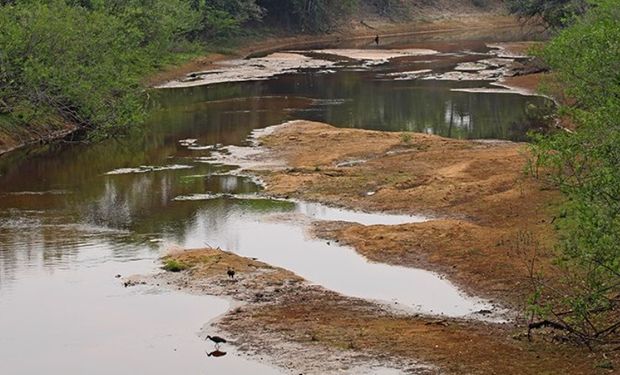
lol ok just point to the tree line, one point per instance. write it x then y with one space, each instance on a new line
584 57
82 61
554 13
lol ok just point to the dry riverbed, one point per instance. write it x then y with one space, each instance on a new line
489 214
488 219
307 329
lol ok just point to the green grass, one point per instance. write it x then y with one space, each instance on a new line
173 265
405 138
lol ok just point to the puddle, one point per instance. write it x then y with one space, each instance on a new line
322 212
281 241
229 184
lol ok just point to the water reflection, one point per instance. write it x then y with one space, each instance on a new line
216 353
45 192
65 225
360 100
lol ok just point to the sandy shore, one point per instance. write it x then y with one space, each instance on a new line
452 28
478 191
489 218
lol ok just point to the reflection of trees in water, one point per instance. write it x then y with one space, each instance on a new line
38 240
456 118
422 106
226 113
111 209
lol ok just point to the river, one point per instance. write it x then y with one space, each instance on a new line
74 216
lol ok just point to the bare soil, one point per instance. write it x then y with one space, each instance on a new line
489 219
307 329
490 216
355 32
13 137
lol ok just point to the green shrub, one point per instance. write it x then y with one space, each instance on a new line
584 164
84 63
405 138
173 265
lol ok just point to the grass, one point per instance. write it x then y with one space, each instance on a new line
173 265
405 138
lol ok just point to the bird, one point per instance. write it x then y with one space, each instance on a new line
377 40
231 273
216 339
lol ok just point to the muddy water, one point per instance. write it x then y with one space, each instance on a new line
247 228
74 216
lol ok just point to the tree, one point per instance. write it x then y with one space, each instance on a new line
83 62
584 165
554 13
307 15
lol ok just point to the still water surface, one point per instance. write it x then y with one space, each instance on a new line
67 227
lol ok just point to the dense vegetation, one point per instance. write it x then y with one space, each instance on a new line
554 13
586 166
81 61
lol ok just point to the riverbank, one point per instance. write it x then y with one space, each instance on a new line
358 32
489 221
477 191
13 137
306 329
462 27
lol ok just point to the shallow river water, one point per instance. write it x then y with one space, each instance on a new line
73 216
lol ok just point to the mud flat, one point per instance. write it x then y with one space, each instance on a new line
481 206
477 190
257 284
304 328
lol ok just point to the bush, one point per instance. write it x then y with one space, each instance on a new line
84 63
307 15
173 265
584 164
555 13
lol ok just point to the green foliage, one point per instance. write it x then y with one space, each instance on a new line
84 62
405 138
393 8
223 18
307 15
240 10
555 13
173 265
585 165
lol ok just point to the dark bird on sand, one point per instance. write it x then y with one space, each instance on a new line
231 273
216 339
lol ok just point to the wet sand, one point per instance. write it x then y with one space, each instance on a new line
482 202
